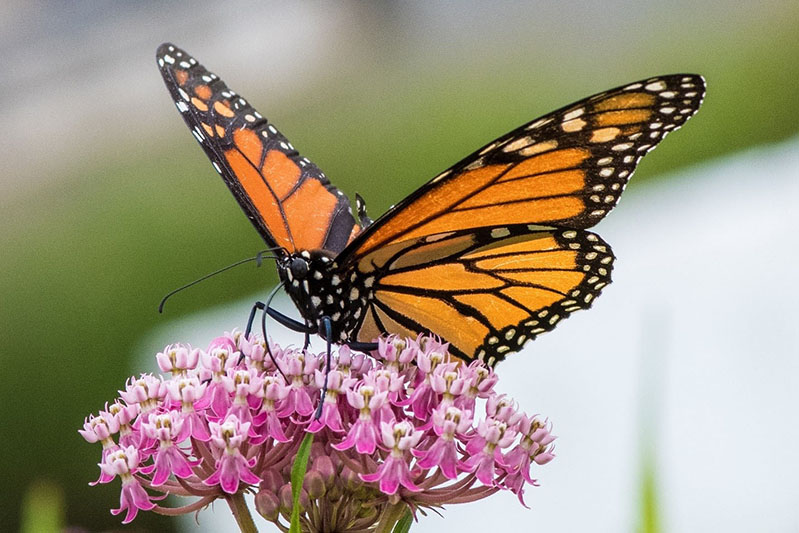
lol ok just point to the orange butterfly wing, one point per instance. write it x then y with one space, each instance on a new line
286 197
566 169
486 291
492 252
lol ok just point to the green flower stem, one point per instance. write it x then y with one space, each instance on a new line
391 515
242 513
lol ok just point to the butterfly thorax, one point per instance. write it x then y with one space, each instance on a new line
320 289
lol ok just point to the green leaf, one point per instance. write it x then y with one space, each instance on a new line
404 524
297 475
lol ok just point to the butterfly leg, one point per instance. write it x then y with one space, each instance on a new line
307 337
362 346
327 332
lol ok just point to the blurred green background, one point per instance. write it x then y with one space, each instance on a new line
107 202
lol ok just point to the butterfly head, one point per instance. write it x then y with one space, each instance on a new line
298 267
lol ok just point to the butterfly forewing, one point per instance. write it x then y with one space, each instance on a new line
288 199
566 169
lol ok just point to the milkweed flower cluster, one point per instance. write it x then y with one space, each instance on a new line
405 429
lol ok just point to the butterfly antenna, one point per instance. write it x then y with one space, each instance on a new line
259 257
263 329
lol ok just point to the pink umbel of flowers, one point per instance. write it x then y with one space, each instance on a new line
402 430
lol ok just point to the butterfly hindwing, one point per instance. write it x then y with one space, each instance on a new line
288 199
566 169
485 291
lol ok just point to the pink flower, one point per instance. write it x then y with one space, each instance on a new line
486 449
364 432
448 422
398 427
399 438
330 416
123 463
168 459
178 358
231 466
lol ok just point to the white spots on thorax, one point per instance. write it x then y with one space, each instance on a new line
354 293
368 282
335 280
316 301
317 275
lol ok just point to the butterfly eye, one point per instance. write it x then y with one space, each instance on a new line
299 267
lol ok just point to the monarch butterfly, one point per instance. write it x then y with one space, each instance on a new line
487 255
